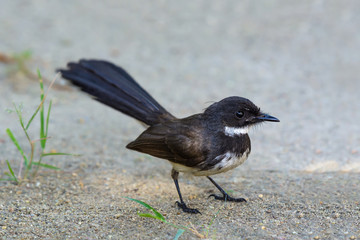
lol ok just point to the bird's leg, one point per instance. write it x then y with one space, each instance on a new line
225 196
181 204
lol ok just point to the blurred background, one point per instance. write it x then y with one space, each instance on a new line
297 60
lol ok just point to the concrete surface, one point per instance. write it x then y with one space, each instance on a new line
296 60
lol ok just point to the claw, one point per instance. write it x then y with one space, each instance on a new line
187 209
227 198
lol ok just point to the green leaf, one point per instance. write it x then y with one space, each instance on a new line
13 139
18 112
42 125
179 233
5 179
38 73
11 171
148 215
46 165
47 119
141 202
42 117
55 154
32 117
159 215
10 177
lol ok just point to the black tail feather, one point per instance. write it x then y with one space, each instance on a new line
114 87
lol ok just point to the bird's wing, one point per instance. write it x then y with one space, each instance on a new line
177 142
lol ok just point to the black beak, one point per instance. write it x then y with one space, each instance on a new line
266 117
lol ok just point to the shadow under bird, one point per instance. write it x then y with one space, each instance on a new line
203 144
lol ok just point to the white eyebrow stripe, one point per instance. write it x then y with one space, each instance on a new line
232 131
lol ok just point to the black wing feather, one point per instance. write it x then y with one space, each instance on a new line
114 87
178 143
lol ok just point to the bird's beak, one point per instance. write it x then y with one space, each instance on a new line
267 117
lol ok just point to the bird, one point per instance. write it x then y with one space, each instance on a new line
204 144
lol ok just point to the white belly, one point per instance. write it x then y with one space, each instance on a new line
228 161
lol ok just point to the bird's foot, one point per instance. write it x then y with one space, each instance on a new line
187 209
226 197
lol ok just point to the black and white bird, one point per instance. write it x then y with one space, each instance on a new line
203 144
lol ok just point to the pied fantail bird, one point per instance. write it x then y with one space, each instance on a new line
202 144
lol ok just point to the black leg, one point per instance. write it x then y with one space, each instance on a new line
181 204
225 196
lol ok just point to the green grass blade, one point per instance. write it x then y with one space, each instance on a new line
159 215
5 179
39 73
62 154
46 165
179 233
42 131
148 215
18 112
13 139
11 171
141 202
47 119
42 117
32 117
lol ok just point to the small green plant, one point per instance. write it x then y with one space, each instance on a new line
29 167
181 229
159 216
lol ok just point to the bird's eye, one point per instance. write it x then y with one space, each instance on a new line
239 114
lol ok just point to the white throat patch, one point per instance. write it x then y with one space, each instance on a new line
235 131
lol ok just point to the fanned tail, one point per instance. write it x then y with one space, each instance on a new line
114 87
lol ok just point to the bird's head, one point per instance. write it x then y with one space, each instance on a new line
236 115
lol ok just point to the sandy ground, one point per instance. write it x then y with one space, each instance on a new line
280 206
297 61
